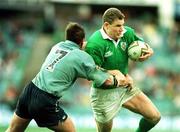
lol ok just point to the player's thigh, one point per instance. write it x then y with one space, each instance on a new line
65 126
141 104
18 124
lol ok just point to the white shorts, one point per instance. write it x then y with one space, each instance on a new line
106 103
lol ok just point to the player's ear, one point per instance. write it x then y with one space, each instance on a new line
83 44
105 25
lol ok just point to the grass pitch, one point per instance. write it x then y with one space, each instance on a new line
36 129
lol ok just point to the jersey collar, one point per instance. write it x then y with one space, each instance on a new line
105 36
73 45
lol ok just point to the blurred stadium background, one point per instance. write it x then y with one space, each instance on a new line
28 28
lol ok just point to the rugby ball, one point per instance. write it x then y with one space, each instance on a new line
136 49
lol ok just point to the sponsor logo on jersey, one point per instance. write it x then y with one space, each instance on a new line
123 46
107 54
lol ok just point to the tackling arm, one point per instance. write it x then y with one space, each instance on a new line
116 79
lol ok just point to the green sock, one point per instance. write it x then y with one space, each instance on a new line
145 125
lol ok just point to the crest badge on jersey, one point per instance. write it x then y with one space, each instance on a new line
123 46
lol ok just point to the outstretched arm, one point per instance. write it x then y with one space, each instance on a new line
117 79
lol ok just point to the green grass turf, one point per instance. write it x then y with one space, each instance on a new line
36 129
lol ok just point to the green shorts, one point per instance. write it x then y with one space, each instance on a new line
106 103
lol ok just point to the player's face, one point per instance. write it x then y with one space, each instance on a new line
115 29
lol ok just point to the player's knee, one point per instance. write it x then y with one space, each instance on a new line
156 117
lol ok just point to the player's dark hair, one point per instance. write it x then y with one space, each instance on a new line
75 32
112 14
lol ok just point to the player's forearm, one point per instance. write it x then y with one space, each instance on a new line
114 72
116 79
111 82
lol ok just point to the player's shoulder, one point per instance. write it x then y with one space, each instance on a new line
128 29
96 40
82 55
79 52
128 32
57 45
95 36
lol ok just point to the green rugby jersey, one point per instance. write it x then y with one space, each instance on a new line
109 54
63 65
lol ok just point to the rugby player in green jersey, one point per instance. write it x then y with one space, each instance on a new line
64 64
108 47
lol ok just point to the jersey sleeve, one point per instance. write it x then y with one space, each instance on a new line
131 36
90 71
96 75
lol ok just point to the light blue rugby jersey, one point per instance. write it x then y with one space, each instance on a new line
63 65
